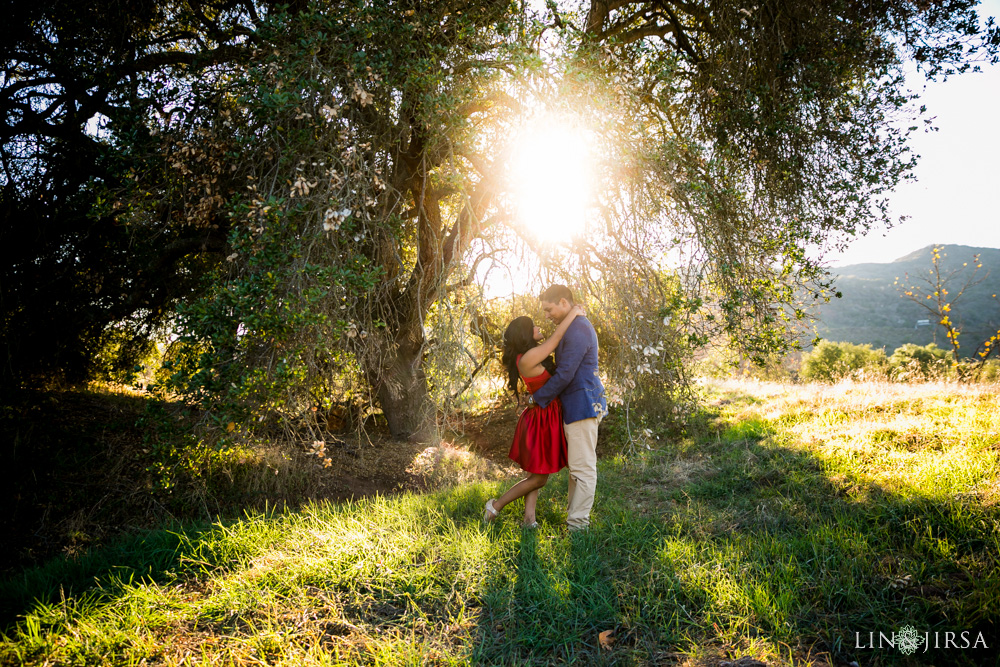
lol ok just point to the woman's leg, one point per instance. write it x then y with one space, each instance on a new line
529 507
533 482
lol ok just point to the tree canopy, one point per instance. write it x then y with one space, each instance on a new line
309 194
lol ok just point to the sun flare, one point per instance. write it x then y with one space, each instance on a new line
551 177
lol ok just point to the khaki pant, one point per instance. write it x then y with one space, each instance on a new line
581 450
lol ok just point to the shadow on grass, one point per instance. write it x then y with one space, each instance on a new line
557 598
153 556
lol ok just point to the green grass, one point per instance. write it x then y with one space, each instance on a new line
785 526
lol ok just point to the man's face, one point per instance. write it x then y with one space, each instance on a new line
556 311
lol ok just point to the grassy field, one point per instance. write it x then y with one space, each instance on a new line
789 524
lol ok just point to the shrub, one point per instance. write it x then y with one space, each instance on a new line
988 372
829 361
911 361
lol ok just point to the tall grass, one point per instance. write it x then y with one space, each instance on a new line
791 523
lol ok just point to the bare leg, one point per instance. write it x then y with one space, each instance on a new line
529 507
531 484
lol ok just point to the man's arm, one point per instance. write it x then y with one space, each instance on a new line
575 345
535 355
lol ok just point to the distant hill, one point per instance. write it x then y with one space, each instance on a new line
872 309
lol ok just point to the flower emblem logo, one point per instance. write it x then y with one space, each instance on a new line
907 640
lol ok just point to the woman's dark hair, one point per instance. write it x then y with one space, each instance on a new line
518 339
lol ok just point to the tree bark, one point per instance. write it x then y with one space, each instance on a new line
400 384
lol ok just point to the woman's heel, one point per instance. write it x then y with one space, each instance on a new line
489 514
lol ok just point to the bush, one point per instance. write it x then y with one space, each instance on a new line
988 372
911 361
829 362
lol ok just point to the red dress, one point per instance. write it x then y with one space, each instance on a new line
539 442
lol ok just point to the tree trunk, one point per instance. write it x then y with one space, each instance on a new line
401 386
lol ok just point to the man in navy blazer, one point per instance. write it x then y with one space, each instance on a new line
578 385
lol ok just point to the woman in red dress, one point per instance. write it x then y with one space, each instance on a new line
539 445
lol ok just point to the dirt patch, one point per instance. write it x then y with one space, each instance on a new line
487 433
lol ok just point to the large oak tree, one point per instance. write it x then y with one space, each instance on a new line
347 165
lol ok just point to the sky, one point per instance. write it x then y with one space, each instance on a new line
956 197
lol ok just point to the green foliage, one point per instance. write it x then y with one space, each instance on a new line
988 372
122 356
920 362
177 457
753 113
280 305
181 361
829 362
648 328
832 361
81 272
328 277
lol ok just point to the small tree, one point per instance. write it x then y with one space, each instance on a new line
932 294
989 346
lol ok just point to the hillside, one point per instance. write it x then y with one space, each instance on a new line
873 310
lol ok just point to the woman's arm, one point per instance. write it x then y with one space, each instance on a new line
535 355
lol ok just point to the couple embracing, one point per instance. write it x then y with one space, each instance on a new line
566 403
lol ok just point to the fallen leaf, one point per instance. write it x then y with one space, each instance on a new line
230 427
606 639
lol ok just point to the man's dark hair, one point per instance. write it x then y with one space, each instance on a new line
554 293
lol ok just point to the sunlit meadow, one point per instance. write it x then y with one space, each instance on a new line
785 526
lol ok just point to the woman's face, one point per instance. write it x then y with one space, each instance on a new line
536 333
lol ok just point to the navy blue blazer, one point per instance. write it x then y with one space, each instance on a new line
576 381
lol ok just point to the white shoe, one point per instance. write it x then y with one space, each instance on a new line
490 513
